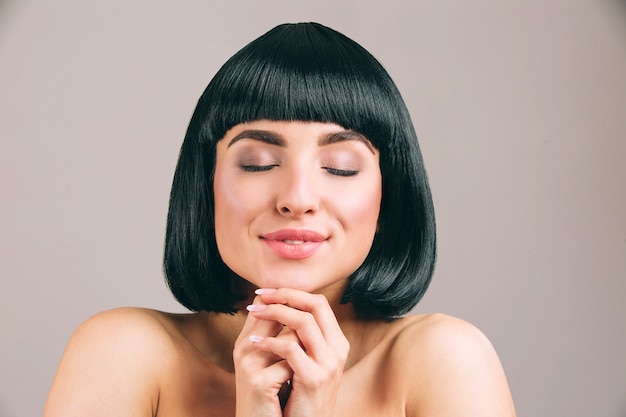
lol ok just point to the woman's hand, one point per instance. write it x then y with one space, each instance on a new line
310 351
259 375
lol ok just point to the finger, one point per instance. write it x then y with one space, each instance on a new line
244 354
316 304
255 325
306 370
289 349
273 376
302 323
254 389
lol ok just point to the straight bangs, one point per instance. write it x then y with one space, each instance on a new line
301 72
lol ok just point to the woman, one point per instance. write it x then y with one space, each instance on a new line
301 232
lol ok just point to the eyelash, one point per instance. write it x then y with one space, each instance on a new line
332 171
341 172
257 168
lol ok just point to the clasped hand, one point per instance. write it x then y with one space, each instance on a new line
292 345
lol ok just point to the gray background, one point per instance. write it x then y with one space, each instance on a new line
519 106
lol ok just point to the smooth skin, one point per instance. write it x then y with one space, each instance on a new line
292 342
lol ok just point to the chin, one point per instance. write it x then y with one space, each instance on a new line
285 279
297 276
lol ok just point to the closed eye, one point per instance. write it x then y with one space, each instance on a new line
341 172
258 168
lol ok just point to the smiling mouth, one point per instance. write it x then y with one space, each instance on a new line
294 236
294 243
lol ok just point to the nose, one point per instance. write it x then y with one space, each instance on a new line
298 195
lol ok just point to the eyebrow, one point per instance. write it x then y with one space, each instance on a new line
343 136
273 138
264 136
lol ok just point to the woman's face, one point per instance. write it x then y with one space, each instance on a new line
296 203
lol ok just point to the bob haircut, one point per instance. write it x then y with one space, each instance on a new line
305 72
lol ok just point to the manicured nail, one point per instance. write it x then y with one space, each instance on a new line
255 339
256 307
262 291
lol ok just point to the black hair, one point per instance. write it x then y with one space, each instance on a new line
305 72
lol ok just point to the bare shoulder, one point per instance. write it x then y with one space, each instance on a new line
439 331
128 333
113 365
450 367
124 321
434 342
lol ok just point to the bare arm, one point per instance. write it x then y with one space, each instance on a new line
109 368
456 372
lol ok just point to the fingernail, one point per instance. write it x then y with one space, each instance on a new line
262 291
255 339
256 307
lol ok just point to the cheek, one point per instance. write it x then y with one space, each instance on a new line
230 208
237 203
226 199
361 209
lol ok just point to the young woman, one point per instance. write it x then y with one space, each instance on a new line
301 232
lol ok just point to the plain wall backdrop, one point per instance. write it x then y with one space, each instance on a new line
520 107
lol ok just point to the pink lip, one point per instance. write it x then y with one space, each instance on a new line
293 243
